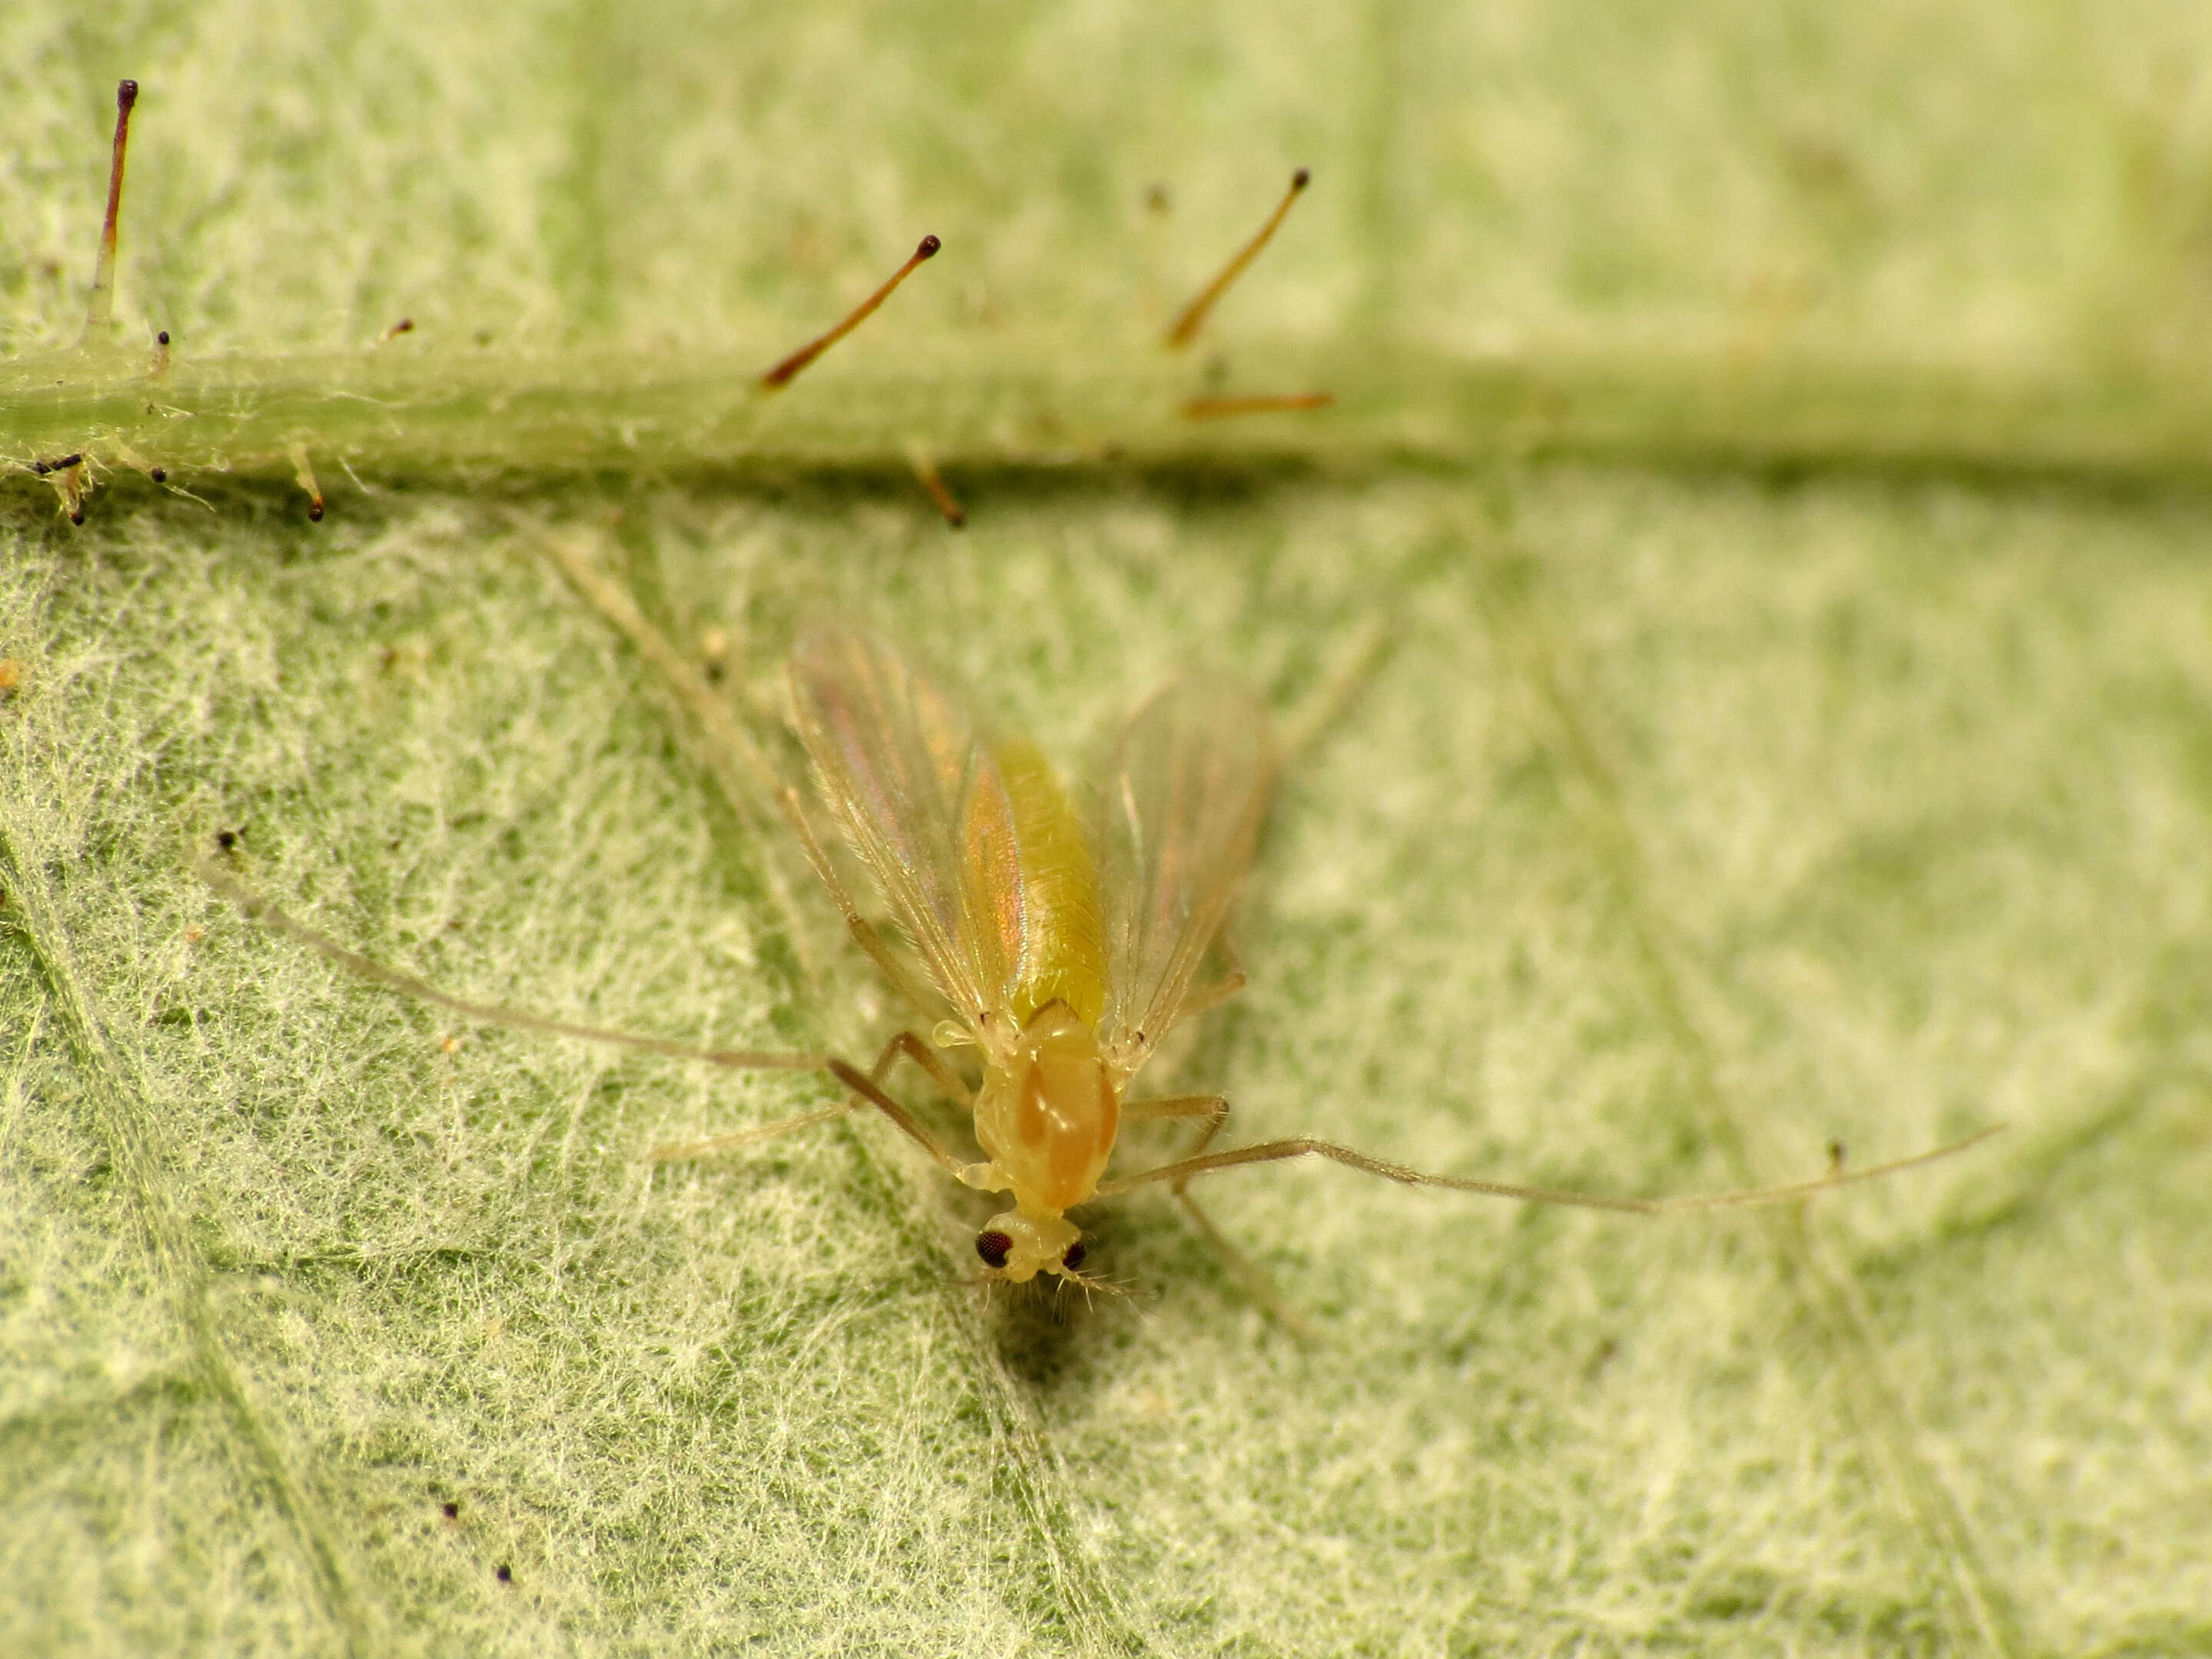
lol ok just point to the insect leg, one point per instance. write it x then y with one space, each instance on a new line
1212 1107
571 551
730 1143
916 1049
869 1092
1272 1151
1246 1272
1215 1109
1304 726
1145 1111
261 911
491 1013
1212 996
906 1043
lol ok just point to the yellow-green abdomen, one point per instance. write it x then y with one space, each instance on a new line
1063 946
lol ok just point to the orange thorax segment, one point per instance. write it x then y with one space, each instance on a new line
1032 893
1047 1115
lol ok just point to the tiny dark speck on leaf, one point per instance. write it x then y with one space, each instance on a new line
504 1573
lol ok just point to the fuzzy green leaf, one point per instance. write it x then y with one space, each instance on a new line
1786 732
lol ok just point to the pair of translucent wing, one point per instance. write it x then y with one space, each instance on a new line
917 791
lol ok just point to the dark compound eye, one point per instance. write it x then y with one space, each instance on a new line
992 1246
1074 1259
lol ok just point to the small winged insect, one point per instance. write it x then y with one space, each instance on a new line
1065 944
1065 949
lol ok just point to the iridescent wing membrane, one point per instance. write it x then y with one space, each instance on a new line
906 777
1179 811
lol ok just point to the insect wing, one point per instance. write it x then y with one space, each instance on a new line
919 799
1180 807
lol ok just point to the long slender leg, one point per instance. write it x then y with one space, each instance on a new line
866 1093
367 968
730 1143
1304 726
906 1043
491 1013
725 740
1300 731
570 551
1214 1126
1212 996
1170 1106
916 1049
1212 1107
1261 1288
1215 1109
890 1108
1271 1152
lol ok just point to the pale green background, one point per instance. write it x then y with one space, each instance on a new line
1703 809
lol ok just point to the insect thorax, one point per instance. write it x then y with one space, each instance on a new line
1048 1111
